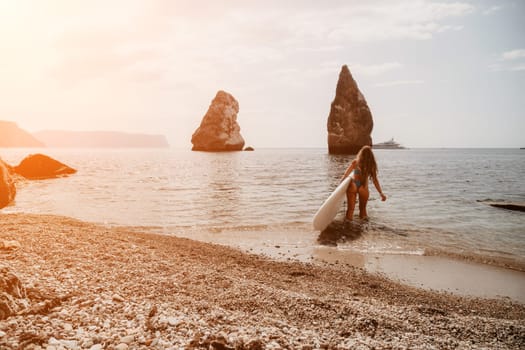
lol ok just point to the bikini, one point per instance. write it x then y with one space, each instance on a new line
356 171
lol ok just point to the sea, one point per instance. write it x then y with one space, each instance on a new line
264 201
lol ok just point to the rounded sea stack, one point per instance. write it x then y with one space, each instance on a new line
219 130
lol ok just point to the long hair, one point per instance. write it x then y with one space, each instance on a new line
367 163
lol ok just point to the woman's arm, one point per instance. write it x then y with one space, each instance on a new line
378 188
349 169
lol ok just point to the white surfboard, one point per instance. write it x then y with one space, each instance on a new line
331 205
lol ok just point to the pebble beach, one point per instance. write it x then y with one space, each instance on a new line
87 286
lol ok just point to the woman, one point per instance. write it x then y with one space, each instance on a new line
362 168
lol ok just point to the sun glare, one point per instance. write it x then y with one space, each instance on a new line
9 10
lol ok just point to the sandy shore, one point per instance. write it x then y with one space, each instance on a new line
422 267
92 287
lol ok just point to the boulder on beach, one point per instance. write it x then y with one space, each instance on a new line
350 121
7 185
13 296
40 166
219 130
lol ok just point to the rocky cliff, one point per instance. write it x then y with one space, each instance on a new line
350 121
7 185
219 130
12 136
100 139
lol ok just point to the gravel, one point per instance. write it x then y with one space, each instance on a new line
93 287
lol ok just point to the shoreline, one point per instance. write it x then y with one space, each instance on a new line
118 288
429 269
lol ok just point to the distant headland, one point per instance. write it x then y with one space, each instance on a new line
100 139
11 135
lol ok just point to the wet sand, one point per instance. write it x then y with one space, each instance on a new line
95 287
430 270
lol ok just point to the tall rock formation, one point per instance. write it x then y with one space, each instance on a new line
12 136
219 130
7 185
350 121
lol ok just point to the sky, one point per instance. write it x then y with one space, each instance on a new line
434 73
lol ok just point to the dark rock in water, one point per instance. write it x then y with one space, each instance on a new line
341 231
39 166
219 130
508 205
13 296
249 148
7 185
350 121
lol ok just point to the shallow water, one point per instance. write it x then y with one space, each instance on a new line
433 195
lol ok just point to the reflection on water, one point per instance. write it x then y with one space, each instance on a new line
223 191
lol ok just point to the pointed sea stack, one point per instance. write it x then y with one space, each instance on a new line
350 121
219 130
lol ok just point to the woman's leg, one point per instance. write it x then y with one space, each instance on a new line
363 200
351 194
